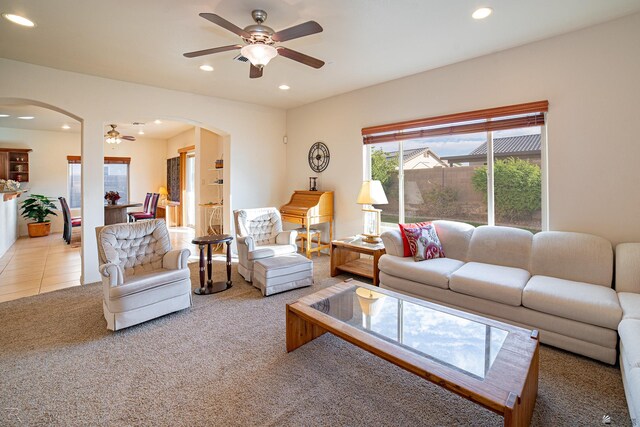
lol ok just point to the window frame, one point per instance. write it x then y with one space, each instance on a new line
107 160
495 119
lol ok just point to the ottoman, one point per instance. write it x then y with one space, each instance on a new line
282 273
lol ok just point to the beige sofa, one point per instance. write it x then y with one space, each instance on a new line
628 287
556 282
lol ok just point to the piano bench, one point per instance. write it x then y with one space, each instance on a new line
282 273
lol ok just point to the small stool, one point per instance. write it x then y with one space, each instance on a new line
282 273
313 233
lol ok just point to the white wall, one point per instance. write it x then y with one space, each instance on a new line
8 223
592 81
47 165
256 151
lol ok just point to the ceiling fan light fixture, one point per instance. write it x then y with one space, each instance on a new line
259 54
113 140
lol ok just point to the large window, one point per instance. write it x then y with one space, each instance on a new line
485 170
116 178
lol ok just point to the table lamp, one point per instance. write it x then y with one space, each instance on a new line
163 195
371 193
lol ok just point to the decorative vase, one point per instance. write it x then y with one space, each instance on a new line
111 202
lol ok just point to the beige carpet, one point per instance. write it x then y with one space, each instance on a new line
223 363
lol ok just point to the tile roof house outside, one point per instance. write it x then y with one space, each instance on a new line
525 147
419 158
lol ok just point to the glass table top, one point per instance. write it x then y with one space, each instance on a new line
468 346
357 241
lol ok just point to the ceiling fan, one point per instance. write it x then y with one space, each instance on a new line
113 136
260 40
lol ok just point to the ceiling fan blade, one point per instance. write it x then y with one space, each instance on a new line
300 30
128 138
212 50
218 20
300 57
255 72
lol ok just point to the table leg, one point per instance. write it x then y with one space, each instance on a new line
201 289
228 264
376 269
300 331
209 281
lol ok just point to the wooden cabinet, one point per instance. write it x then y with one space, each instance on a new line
14 164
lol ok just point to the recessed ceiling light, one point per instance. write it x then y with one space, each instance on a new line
482 13
284 87
158 122
65 127
17 19
206 68
4 115
26 117
140 132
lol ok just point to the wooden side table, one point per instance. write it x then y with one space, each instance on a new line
211 286
345 256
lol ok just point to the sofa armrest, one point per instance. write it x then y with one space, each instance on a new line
248 242
287 237
112 274
628 267
176 259
392 240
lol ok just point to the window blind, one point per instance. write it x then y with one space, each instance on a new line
491 119
107 160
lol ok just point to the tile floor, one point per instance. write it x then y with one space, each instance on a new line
45 264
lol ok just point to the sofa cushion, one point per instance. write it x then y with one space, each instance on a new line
424 243
630 303
584 302
629 331
572 256
455 237
434 272
628 268
266 251
405 241
148 280
492 282
507 246
283 265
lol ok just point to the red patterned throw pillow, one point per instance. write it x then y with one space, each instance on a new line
405 242
424 242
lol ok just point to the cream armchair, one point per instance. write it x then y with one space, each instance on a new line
142 278
259 235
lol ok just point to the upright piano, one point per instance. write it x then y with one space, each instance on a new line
308 208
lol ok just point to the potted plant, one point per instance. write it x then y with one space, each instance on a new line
112 197
38 208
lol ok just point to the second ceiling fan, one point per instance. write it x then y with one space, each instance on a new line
260 42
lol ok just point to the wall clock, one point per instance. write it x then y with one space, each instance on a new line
319 157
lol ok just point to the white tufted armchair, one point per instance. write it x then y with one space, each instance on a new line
259 235
142 278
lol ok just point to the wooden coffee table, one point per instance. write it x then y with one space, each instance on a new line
345 256
490 363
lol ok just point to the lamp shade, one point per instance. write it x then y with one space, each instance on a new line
163 191
372 193
259 54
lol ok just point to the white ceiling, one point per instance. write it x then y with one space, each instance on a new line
49 120
365 42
